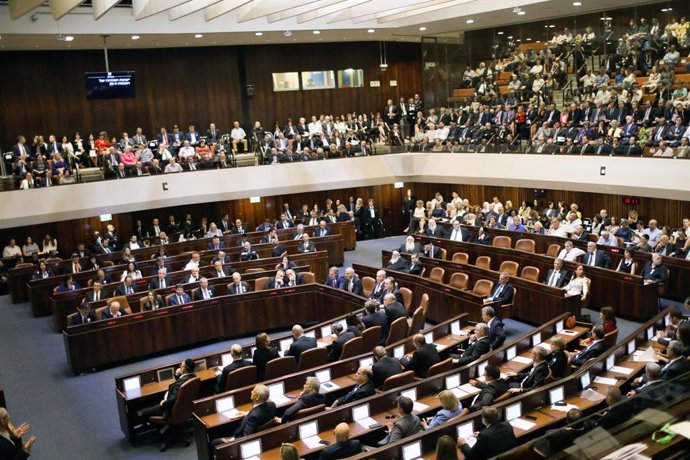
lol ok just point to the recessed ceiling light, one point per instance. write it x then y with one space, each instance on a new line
135 37
518 40
371 31
521 13
258 34
499 33
510 37
69 38
199 36
577 3
422 29
470 21
316 32
666 10
528 39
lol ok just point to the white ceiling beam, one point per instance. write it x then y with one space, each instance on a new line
275 17
19 8
410 9
219 9
325 11
59 8
261 8
144 8
421 9
372 8
190 7
100 7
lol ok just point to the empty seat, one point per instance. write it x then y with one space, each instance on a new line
482 288
611 338
352 348
372 337
309 277
509 266
553 250
368 284
260 283
417 321
303 413
461 258
501 241
424 302
530 273
280 366
313 358
242 377
398 380
525 244
483 262
253 270
444 254
439 368
397 331
459 280
407 299
437 274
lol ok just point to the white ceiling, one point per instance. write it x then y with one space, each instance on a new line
36 24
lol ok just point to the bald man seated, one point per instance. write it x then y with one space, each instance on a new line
301 343
344 446
262 411
237 362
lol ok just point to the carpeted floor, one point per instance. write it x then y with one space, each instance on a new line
76 416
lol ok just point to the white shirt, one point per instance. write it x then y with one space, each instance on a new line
186 152
238 133
571 255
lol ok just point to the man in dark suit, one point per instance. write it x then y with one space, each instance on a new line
333 278
240 228
222 257
479 347
496 333
416 267
502 291
300 344
379 287
492 387
618 412
309 397
96 293
322 229
180 297
677 363
498 437
216 244
651 380
84 316
536 377
262 411
237 362
597 347
432 251
183 374
390 287
292 278
397 263
385 366
238 286
595 258
375 317
391 113
459 233
363 389
276 282
248 253
341 337
161 280
127 287
392 308
284 222
344 447
113 310
204 292
654 271
306 245
557 276
424 356
432 229
350 282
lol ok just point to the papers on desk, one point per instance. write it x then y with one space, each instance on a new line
647 356
564 408
629 452
366 422
312 442
327 387
568 332
592 395
522 359
439 347
321 344
419 407
471 441
522 424
682 428
469 389
280 400
605 381
620 370
232 413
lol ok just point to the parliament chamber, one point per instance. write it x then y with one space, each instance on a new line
341 229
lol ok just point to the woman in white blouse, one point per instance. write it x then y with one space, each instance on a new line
49 244
131 271
578 285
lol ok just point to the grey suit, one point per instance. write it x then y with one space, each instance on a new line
407 426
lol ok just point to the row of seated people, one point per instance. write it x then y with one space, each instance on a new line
548 218
500 436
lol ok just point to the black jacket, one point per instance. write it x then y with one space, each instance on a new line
305 401
422 359
384 368
496 439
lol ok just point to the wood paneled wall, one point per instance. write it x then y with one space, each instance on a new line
45 91
387 198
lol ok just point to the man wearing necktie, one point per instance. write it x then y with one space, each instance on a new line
127 287
558 276
536 377
503 292
204 292
180 297
456 234
332 278
363 389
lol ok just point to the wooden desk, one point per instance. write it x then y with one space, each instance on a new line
63 304
444 301
19 277
135 336
534 303
626 293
